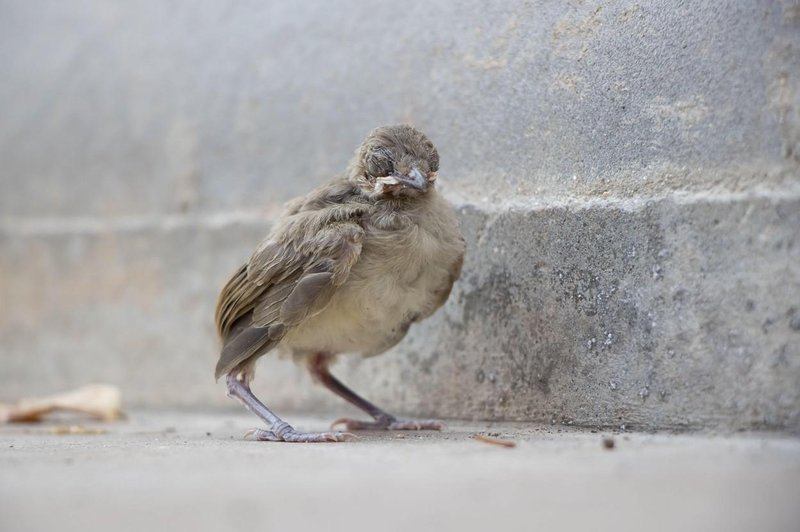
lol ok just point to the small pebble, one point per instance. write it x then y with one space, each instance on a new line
608 443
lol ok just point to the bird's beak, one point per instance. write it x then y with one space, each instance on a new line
414 179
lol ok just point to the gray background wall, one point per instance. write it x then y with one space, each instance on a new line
627 175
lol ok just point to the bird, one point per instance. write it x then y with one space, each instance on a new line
345 270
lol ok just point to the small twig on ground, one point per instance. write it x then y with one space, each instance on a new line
509 444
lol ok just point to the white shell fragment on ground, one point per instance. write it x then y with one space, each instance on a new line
99 401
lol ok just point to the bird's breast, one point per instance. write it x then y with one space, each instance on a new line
398 277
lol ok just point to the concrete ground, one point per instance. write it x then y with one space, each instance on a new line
193 471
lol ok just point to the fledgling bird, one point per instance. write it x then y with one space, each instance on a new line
347 269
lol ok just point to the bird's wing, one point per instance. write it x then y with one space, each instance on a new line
291 276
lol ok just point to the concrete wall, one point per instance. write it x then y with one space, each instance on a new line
627 174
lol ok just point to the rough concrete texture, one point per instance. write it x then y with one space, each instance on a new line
178 470
627 175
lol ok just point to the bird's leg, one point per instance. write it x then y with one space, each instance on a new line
383 420
279 430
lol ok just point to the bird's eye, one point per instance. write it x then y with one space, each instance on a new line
378 169
379 164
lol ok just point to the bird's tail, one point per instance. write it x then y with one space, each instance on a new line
235 300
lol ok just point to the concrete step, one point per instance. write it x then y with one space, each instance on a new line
650 314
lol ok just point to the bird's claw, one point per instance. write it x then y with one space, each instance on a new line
299 437
390 424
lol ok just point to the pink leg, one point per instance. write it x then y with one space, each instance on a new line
383 421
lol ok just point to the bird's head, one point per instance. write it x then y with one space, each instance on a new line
395 161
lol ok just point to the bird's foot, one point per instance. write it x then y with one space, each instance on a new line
390 423
294 436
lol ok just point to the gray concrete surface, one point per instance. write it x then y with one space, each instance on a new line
627 175
191 471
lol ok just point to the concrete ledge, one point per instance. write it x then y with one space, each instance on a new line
665 314
650 314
